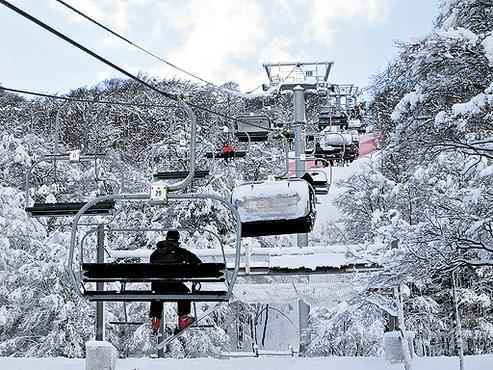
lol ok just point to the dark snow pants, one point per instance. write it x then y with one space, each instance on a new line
184 307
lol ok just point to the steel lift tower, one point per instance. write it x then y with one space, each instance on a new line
299 77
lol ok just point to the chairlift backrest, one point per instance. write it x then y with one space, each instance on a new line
40 209
254 123
275 207
354 123
74 156
319 178
335 139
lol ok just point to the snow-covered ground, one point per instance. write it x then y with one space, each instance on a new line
273 363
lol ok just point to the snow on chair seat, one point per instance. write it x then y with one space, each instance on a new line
149 295
275 207
330 139
68 209
141 272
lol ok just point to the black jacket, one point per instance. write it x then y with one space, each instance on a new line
169 252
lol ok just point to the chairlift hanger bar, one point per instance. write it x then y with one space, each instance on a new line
79 46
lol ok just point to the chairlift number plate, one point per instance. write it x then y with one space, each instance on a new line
159 192
74 156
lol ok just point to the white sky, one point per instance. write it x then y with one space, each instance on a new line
220 40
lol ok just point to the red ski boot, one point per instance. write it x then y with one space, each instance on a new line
155 325
184 322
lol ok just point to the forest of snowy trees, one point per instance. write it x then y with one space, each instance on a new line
422 207
429 190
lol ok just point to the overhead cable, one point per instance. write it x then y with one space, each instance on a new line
116 67
81 100
146 51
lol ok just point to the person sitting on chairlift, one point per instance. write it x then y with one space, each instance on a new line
169 252
228 150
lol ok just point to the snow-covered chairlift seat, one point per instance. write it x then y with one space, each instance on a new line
320 182
343 145
330 139
275 207
333 145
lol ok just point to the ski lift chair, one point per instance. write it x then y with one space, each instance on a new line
332 146
324 119
330 118
253 128
229 148
226 155
63 209
125 273
319 179
275 207
181 175
320 182
228 151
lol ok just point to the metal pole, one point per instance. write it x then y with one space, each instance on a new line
298 126
100 285
458 326
299 144
304 313
302 239
402 327
162 328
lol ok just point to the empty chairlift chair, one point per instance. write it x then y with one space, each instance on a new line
329 118
275 207
332 145
253 128
63 209
320 182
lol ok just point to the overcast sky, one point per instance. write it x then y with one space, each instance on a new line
220 40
